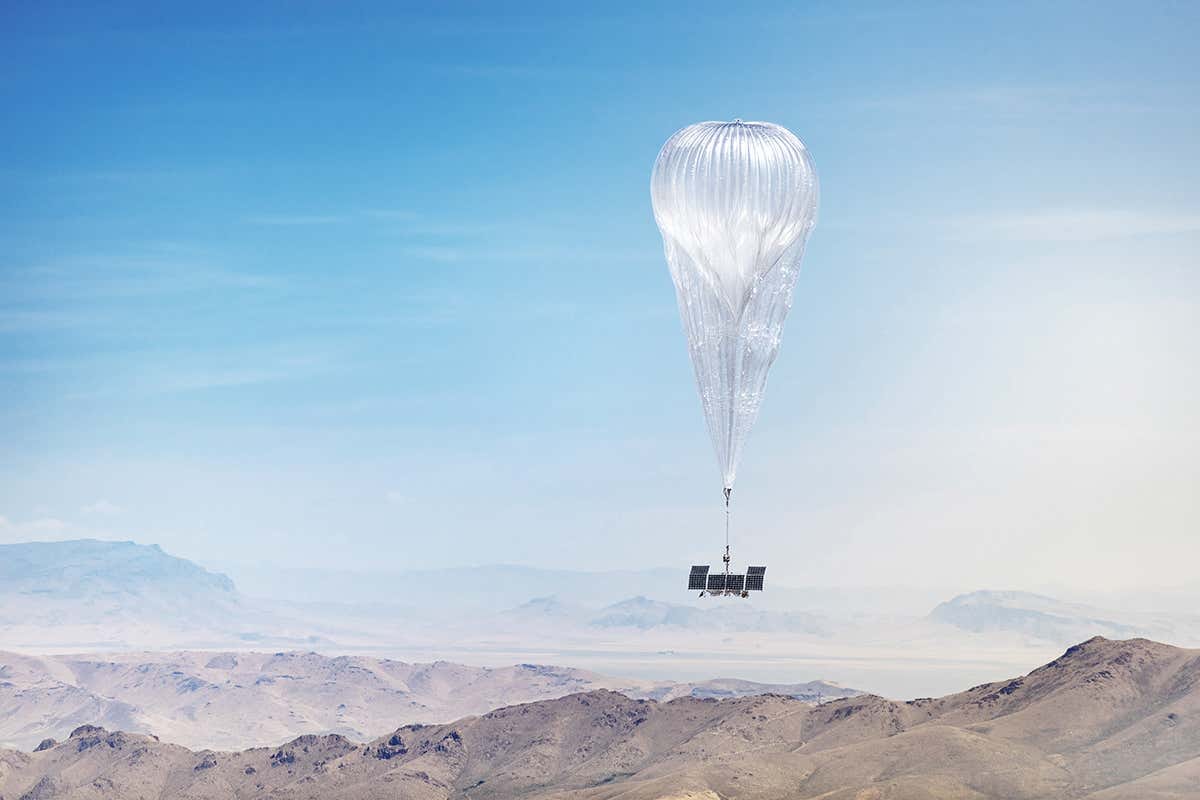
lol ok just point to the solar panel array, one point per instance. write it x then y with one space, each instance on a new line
752 581
754 578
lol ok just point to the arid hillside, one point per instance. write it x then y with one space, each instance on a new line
1107 720
234 700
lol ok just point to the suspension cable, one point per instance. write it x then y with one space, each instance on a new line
728 492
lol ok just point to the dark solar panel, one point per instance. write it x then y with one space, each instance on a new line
697 579
754 578
734 583
716 583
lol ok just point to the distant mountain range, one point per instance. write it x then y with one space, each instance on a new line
90 596
642 613
96 594
225 699
1108 720
124 594
496 586
106 581
488 586
124 587
1056 621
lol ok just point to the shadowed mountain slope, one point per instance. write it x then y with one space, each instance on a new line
1108 719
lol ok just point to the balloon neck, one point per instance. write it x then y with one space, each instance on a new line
728 492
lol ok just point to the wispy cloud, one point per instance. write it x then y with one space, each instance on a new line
230 377
179 372
395 24
133 176
446 255
397 220
507 71
37 366
1073 225
40 529
296 220
18 320
447 230
102 507
391 214
1022 100
124 276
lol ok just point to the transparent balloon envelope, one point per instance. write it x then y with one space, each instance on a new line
735 202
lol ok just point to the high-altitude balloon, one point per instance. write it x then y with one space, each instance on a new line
735 202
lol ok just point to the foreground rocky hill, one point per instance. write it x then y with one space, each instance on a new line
1109 720
234 700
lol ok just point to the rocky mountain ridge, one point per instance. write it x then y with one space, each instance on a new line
1108 720
239 699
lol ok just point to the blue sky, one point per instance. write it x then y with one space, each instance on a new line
375 286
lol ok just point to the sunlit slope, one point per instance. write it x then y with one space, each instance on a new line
1109 719
233 700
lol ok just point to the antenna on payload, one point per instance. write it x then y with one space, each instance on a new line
726 584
